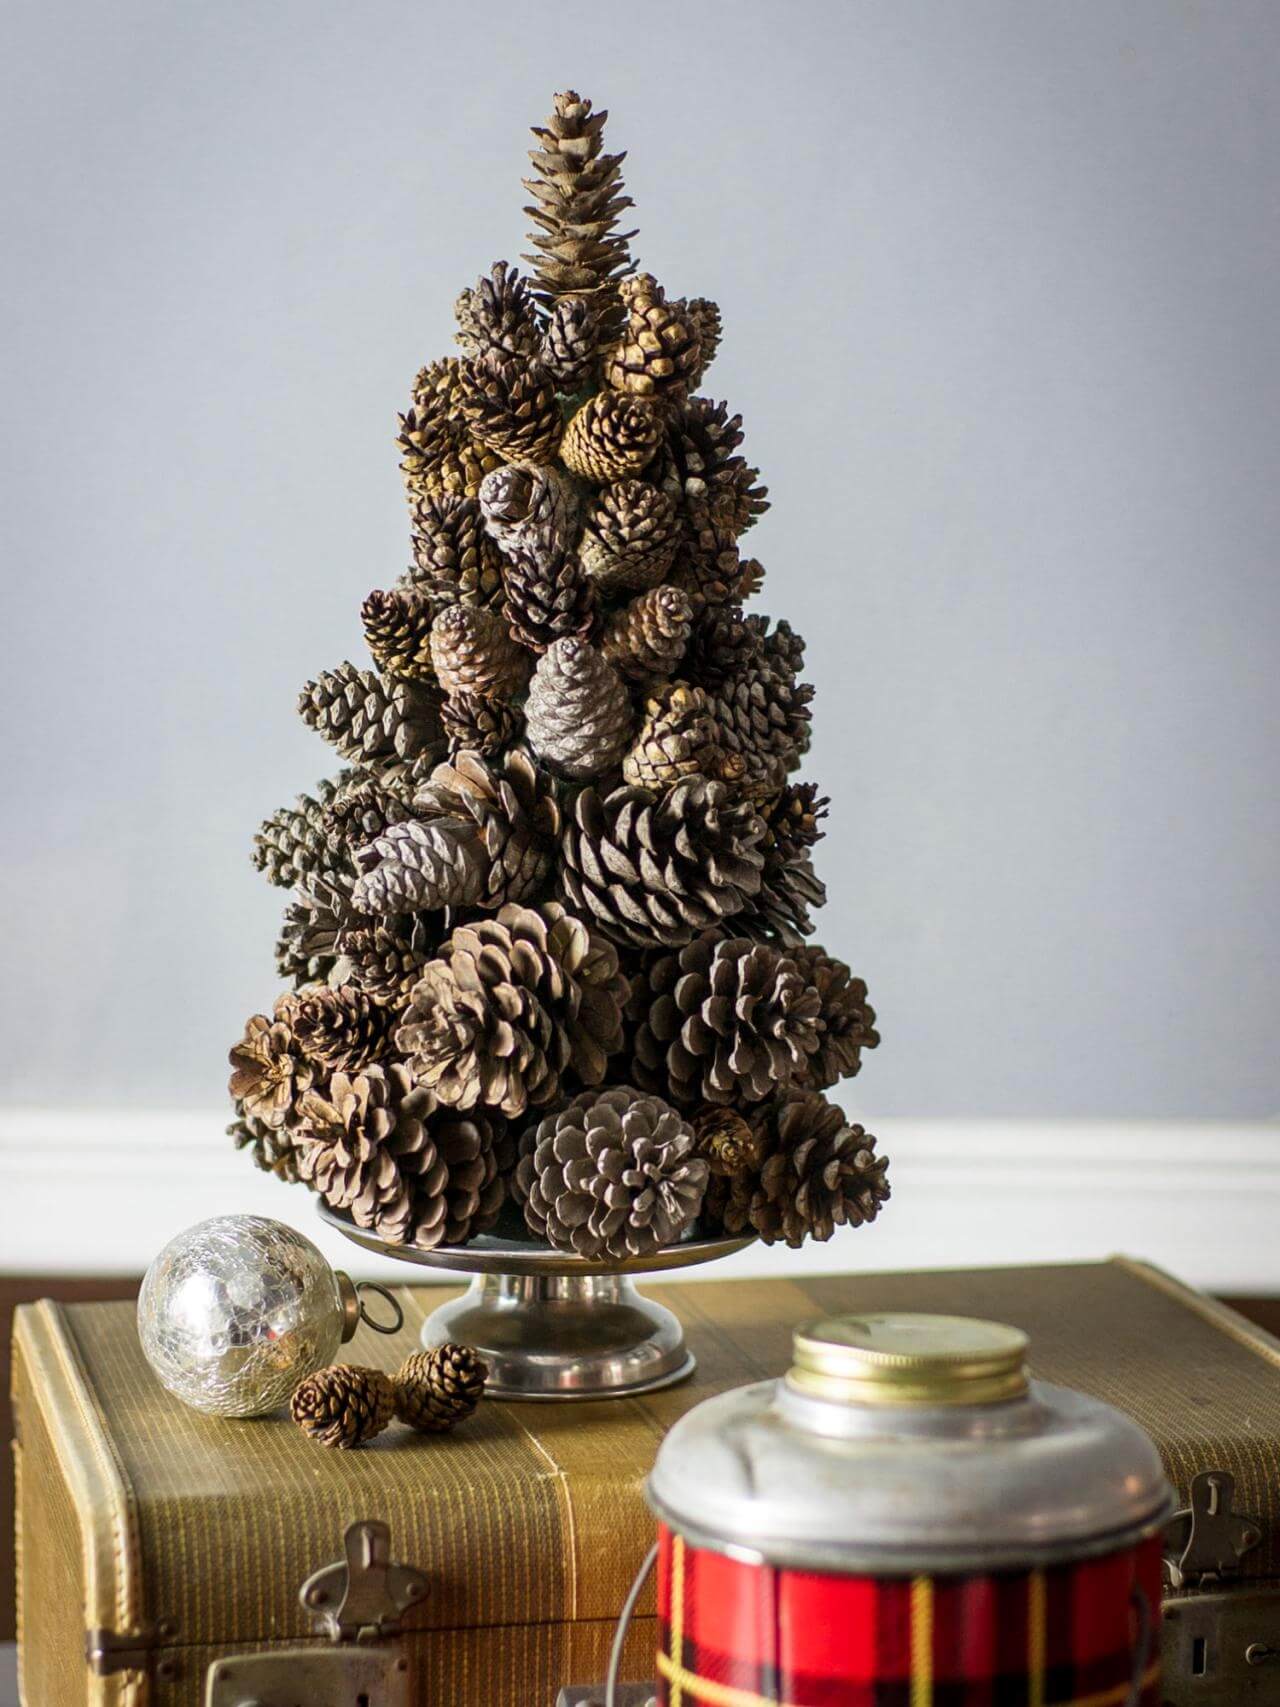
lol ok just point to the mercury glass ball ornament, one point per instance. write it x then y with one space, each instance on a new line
236 1311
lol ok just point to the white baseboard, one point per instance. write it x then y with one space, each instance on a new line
100 1193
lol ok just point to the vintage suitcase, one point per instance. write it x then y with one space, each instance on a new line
161 1553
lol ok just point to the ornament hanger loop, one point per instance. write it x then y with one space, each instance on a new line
397 1321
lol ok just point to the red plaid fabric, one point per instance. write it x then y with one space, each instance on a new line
740 1635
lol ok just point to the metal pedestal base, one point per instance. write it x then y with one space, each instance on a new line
564 1336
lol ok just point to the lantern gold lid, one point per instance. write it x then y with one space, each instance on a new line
900 1359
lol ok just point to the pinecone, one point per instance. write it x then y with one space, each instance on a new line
779 913
613 1174
529 509
292 843
438 454
699 466
577 192
454 558
578 715
795 819
385 958
469 1146
339 1028
708 564
397 631
479 724
846 1020
763 712
611 436
361 809
629 536
272 1148
646 639
497 315
822 1173
548 598
370 721
704 316
657 870
366 1146
512 1005
436 1389
725 644
343 1406
678 738
306 948
473 653
510 407
570 343
734 1148
269 1071
658 353
722 1021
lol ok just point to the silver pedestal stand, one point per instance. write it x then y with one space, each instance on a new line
552 1325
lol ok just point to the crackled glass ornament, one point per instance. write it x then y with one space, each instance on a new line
236 1311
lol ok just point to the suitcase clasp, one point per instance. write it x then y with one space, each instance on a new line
1207 1539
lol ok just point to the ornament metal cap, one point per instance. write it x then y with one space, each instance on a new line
901 1359
355 1310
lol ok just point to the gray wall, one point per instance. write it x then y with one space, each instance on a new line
999 283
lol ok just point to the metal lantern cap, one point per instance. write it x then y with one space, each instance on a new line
898 1359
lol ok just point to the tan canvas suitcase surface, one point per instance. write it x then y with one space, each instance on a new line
154 1542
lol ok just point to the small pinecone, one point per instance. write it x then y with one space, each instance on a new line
529 509
704 316
438 454
846 1020
513 1003
699 465
678 738
510 809
722 1021
366 1145
272 1148
795 819
436 1389
360 810
454 558
292 843
340 1028
473 652
497 314
725 644
734 1148
511 408
469 1145
613 1174
578 715
306 948
646 639
656 870
822 1173
269 1071
763 712
629 536
570 343
780 912
343 1406
547 599
577 193
475 723
397 631
385 959
370 721
611 436
658 354
708 565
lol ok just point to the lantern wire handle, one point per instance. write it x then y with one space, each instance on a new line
620 1634
397 1321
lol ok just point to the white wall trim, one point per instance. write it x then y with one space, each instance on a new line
84 1192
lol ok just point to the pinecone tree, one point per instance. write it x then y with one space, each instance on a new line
569 844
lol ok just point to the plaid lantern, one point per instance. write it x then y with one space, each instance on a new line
744 1635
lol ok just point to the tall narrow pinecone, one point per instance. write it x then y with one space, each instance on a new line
385 957
763 712
570 343
678 738
343 1406
473 652
822 1173
269 1073
497 314
613 1174
529 509
438 454
657 870
372 721
436 1389
704 315
577 197
512 1006
846 1020
611 436
397 631
510 407
578 714
724 1021
474 722
646 639
629 536
339 1028
454 558
548 598
365 1146
292 843
658 354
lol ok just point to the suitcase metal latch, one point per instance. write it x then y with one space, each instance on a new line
358 1604
1206 1541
